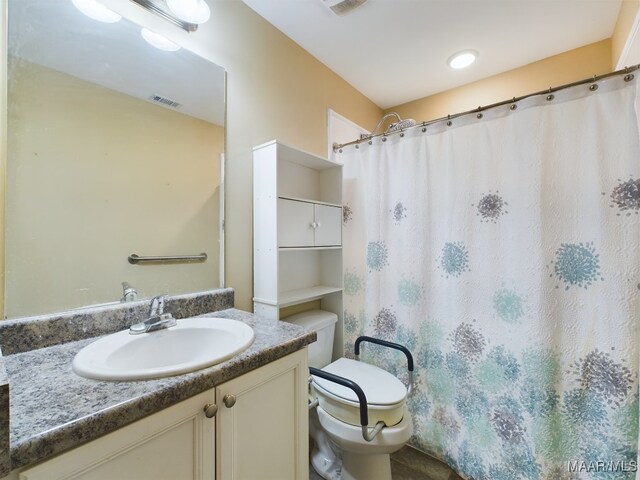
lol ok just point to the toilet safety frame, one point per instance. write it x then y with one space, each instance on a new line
362 399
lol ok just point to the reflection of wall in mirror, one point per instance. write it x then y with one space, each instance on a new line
93 176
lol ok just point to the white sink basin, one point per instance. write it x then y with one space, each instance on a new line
192 344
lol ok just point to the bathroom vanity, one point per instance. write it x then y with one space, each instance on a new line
245 418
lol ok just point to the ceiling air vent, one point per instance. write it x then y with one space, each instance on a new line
165 101
342 7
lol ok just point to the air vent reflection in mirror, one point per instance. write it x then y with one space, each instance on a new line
165 101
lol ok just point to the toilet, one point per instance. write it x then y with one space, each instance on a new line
340 452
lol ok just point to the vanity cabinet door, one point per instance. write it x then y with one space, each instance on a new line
175 443
262 423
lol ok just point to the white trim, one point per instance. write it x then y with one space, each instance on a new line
221 226
334 118
633 42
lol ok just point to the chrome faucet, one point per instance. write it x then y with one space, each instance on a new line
157 320
157 306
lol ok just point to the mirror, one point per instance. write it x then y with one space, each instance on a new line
114 148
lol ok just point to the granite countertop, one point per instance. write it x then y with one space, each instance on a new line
53 410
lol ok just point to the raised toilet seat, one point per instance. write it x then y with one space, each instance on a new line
385 394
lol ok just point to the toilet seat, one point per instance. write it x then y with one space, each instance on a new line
386 395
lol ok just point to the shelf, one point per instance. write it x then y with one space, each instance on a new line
309 200
297 231
308 249
295 155
293 297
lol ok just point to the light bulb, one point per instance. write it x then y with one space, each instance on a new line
192 11
97 11
159 41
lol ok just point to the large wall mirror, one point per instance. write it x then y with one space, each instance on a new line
114 148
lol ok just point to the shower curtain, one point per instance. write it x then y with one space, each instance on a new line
504 251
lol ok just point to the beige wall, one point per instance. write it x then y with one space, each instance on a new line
95 176
626 16
552 71
275 90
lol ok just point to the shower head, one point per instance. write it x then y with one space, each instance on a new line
393 127
400 125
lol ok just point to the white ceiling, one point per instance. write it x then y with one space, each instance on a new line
53 33
395 51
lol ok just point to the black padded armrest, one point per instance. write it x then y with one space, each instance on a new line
385 343
345 382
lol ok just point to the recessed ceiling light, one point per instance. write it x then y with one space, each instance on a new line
97 11
192 11
159 41
462 59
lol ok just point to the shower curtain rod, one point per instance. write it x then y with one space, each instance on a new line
626 71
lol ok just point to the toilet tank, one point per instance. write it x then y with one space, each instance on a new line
324 324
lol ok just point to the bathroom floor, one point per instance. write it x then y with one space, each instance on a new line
411 464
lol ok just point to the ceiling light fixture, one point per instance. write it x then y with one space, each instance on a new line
186 14
462 59
159 41
97 11
191 11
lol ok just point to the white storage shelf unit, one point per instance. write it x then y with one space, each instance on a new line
297 230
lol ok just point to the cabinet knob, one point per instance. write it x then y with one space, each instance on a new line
229 400
314 224
210 410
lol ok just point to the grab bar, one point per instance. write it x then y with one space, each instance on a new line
396 346
135 258
362 400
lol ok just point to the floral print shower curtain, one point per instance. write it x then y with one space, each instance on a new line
504 251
